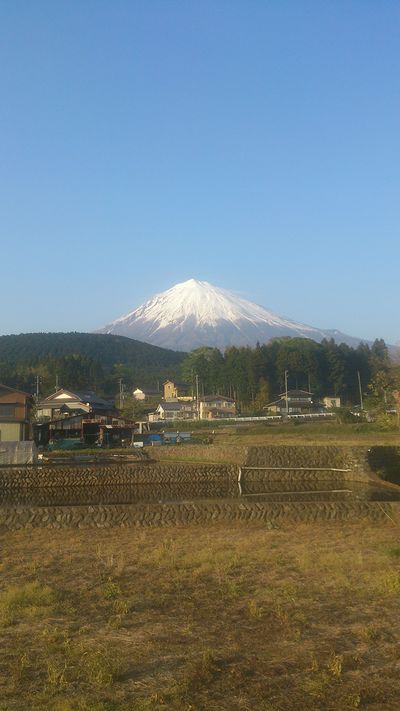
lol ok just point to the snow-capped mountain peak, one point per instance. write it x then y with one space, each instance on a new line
195 313
206 303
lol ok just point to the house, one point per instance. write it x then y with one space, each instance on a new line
173 410
65 403
294 402
331 402
145 394
175 391
15 413
210 407
216 407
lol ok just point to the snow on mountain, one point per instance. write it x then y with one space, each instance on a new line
196 313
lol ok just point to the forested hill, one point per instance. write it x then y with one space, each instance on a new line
104 348
253 376
83 359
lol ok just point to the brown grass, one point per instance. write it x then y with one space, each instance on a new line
309 433
229 443
213 617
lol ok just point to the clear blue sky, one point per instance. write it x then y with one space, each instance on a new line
252 144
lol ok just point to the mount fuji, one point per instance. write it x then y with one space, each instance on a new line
196 313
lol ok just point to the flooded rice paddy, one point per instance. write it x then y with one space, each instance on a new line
265 490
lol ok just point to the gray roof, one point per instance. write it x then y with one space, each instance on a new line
215 398
86 396
93 399
296 393
174 406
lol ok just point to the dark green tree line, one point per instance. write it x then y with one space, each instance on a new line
254 375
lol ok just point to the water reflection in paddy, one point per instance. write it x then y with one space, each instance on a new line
260 491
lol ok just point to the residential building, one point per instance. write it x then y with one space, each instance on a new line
214 407
15 413
294 402
210 407
173 410
64 403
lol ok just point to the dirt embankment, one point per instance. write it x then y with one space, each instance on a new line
353 459
216 453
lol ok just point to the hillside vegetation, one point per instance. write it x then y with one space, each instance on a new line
105 348
252 376
82 360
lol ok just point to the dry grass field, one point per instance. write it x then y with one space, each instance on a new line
228 443
209 617
308 433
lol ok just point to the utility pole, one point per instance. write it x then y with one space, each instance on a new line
37 387
286 392
359 387
121 393
197 397
57 386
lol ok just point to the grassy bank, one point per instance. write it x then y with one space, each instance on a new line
311 433
223 617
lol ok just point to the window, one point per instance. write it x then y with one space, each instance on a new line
7 410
